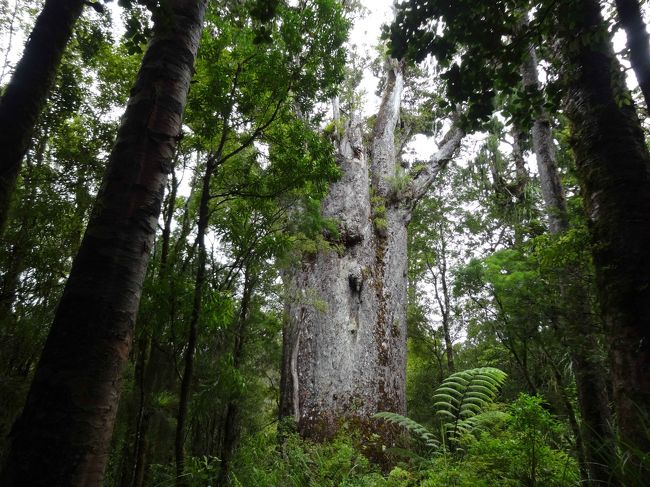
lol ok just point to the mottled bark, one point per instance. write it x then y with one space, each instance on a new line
580 329
631 18
345 338
26 93
614 171
63 435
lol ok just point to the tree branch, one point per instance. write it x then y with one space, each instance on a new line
424 176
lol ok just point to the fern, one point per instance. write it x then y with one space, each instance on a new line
486 421
465 395
460 402
413 426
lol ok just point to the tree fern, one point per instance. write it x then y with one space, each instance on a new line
460 403
464 395
412 426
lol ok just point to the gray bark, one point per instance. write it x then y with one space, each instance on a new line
549 177
345 338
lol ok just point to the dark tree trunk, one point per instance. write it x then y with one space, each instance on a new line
579 330
134 409
147 380
26 93
231 417
193 333
614 170
63 435
630 17
345 341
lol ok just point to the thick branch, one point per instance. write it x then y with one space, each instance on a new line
383 140
424 176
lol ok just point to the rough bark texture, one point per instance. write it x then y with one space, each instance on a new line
630 17
63 435
345 339
580 328
521 173
26 93
614 170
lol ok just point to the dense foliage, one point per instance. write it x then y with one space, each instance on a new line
496 364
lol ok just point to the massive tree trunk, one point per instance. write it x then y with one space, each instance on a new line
63 435
345 338
26 93
580 330
630 17
614 170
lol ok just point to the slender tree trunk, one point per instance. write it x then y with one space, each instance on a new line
580 329
345 355
441 292
231 418
26 93
614 170
549 176
521 173
193 333
630 17
63 435
134 409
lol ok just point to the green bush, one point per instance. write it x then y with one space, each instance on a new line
261 461
521 444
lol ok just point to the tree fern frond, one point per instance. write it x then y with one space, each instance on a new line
442 403
460 400
485 421
444 412
474 389
413 426
444 389
479 401
488 391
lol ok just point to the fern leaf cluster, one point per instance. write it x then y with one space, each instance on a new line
464 395
412 426
460 402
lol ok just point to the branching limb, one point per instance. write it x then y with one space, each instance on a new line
424 175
